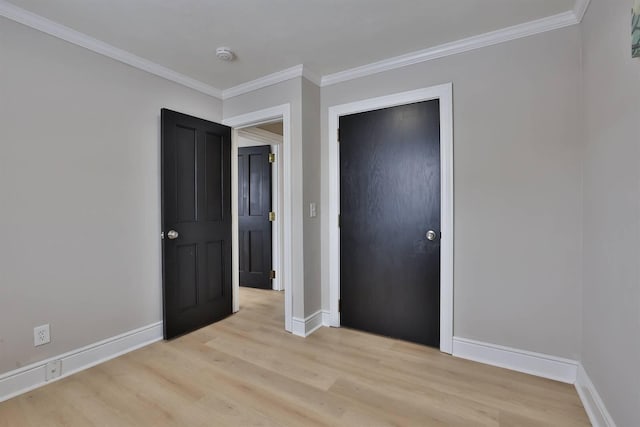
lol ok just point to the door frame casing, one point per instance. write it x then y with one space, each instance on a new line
285 263
254 138
444 93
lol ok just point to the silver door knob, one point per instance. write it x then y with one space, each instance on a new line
172 234
431 235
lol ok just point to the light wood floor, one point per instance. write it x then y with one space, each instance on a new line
246 371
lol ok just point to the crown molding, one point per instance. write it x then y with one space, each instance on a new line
271 79
526 29
299 70
60 31
311 76
580 9
47 26
471 43
264 81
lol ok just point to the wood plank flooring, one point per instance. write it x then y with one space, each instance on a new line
246 371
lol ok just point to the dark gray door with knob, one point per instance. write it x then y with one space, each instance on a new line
196 222
390 222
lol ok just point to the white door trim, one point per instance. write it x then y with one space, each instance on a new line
256 137
246 139
281 112
276 232
444 93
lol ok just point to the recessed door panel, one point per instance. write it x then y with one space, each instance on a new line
213 178
187 284
186 174
256 178
256 243
215 267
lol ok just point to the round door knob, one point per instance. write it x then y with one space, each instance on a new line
172 234
431 235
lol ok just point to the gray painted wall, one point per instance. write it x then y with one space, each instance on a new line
80 191
517 186
289 92
304 98
312 148
611 295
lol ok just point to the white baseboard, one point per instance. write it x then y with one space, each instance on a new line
591 400
326 318
30 377
33 376
542 365
308 325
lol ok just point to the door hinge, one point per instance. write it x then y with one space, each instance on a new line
272 274
338 135
340 306
272 157
272 216
339 223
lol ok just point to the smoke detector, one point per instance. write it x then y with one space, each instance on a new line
224 53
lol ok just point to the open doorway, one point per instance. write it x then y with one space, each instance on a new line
259 189
259 205
269 127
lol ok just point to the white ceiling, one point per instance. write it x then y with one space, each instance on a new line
326 36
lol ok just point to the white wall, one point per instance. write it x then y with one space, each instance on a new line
80 193
611 312
517 186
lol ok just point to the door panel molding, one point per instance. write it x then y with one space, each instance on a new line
444 93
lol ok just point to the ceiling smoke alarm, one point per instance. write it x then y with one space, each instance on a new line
224 53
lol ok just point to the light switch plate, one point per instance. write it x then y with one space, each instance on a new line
312 210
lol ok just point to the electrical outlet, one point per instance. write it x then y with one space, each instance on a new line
41 335
54 369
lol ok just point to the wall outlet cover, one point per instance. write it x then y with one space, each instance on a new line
54 369
41 335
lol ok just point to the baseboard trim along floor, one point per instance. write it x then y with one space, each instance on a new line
569 371
30 377
591 400
541 365
528 362
308 325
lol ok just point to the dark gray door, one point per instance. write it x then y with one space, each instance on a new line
254 205
196 222
389 201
